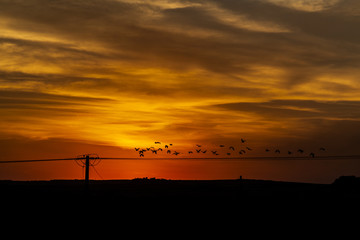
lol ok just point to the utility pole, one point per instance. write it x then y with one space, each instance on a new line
87 167
87 160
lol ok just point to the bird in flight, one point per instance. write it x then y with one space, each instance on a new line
300 150
322 149
243 140
176 153
312 154
277 151
232 148
157 142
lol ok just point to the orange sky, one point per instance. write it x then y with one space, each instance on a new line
107 76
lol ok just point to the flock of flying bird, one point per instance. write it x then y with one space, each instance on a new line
231 150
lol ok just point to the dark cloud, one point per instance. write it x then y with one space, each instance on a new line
299 109
311 45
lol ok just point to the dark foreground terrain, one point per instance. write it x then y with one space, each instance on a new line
343 188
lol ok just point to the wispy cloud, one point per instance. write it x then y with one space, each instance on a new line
306 5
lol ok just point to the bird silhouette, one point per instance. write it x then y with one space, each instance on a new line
198 145
322 149
228 154
190 152
176 153
198 150
141 155
159 149
137 149
248 148
242 151
300 150
168 151
221 146
277 151
267 150
289 152
214 152
243 140
166 146
154 151
232 148
157 142
312 154
204 151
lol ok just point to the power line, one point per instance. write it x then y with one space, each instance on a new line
37 160
190 158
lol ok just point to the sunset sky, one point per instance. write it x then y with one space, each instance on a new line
105 76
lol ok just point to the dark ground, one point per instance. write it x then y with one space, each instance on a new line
343 188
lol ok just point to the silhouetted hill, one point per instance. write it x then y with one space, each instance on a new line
189 190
